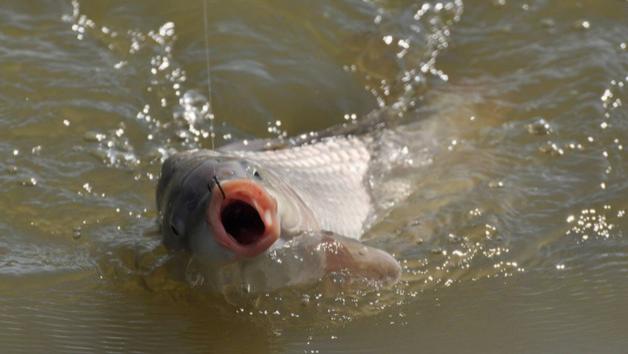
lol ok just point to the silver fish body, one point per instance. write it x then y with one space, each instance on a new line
267 218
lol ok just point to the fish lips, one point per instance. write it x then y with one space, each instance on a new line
243 217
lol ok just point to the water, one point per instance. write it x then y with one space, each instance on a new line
511 232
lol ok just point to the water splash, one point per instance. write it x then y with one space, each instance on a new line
191 120
415 36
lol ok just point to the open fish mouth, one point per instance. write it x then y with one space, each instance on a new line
243 217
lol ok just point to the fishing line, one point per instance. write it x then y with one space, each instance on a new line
212 134
219 187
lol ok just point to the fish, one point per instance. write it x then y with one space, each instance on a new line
264 215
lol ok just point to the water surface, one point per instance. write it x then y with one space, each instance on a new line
512 225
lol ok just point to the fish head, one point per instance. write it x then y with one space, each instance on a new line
241 213
220 208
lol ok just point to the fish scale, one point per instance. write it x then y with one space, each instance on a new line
329 176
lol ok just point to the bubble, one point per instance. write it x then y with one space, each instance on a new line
76 232
552 148
539 127
496 184
29 182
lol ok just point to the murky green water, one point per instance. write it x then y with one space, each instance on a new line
512 235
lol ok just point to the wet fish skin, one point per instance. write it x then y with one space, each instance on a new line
185 188
320 190
306 259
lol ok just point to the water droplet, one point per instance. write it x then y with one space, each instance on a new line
495 184
305 300
548 22
539 127
29 182
94 136
76 232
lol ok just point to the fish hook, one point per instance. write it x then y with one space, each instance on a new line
219 187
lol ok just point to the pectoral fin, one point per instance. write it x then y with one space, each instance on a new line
343 254
310 258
